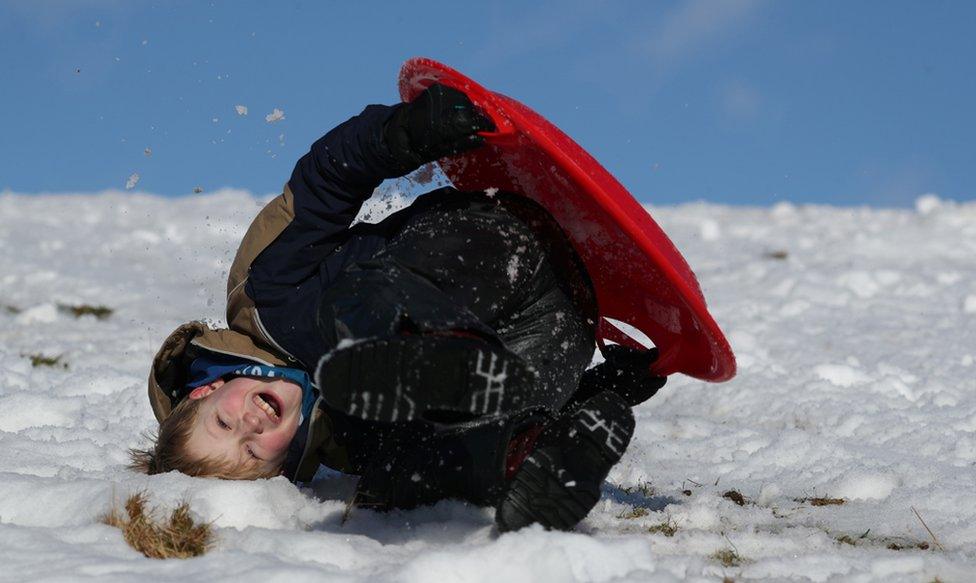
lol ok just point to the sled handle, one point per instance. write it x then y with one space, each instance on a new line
505 132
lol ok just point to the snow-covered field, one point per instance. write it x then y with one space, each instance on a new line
855 336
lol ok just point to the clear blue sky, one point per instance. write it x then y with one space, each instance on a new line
740 101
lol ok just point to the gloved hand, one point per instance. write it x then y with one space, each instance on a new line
441 121
624 372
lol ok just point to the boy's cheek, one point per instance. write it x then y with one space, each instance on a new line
279 441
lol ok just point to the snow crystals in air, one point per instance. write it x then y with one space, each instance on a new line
969 304
854 404
275 116
131 181
242 110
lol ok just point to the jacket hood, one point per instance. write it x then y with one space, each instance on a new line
171 365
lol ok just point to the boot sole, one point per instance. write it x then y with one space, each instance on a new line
541 493
546 491
427 377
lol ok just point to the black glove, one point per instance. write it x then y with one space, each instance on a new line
441 121
624 372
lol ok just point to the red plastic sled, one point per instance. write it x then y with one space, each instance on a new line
640 277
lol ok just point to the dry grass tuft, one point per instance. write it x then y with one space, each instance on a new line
100 312
635 512
12 310
893 543
38 360
645 489
847 540
735 496
179 537
667 528
728 557
907 545
822 501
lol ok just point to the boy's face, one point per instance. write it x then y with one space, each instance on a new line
246 421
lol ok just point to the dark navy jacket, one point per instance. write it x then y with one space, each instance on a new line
329 185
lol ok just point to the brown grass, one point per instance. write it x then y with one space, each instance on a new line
888 542
100 312
178 537
847 540
635 512
728 557
908 545
39 360
928 530
645 489
667 528
735 496
822 501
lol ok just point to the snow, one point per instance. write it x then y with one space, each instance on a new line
854 334
275 116
241 109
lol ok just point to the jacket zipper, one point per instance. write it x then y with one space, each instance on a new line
264 332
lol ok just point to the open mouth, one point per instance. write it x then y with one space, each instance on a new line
270 404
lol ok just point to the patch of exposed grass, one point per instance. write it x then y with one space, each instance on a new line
822 501
907 545
635 512
728 557
100 312
12 310
667 528
778 254
891 543
735 496
38 360
178 537
849 540
642 488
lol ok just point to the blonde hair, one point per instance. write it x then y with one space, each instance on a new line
169 451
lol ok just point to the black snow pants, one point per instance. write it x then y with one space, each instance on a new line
499 267
496 266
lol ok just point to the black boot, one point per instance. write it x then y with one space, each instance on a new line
559 482
438 378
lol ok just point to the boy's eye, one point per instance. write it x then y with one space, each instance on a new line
250 452
221 424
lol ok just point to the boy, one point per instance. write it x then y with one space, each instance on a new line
437 354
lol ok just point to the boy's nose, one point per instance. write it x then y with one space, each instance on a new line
252 422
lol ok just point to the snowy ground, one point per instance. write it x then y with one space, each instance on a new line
855 336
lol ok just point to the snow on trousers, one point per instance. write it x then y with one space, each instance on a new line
496 267
499 268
